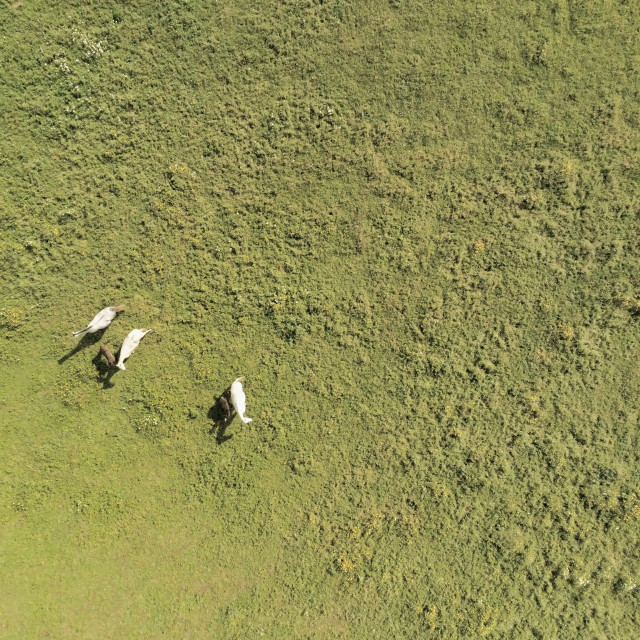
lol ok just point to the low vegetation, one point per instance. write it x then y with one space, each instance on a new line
412 227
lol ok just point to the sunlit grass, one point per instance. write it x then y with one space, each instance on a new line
412 227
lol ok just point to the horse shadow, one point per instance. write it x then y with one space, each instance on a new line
222 414
87 340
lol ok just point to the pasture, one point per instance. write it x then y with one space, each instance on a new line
413 227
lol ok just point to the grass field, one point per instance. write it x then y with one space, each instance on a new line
413 226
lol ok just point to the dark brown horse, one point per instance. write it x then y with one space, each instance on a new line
226 409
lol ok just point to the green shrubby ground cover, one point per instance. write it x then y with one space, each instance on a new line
413 227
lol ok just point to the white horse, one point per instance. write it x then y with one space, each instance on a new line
129 345
238 399
101 321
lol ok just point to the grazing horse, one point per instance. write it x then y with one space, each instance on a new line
101 321
129 345
238 399
226 409
104 350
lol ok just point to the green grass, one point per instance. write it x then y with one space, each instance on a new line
413 228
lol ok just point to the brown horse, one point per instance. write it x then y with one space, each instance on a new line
104 350
226 409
